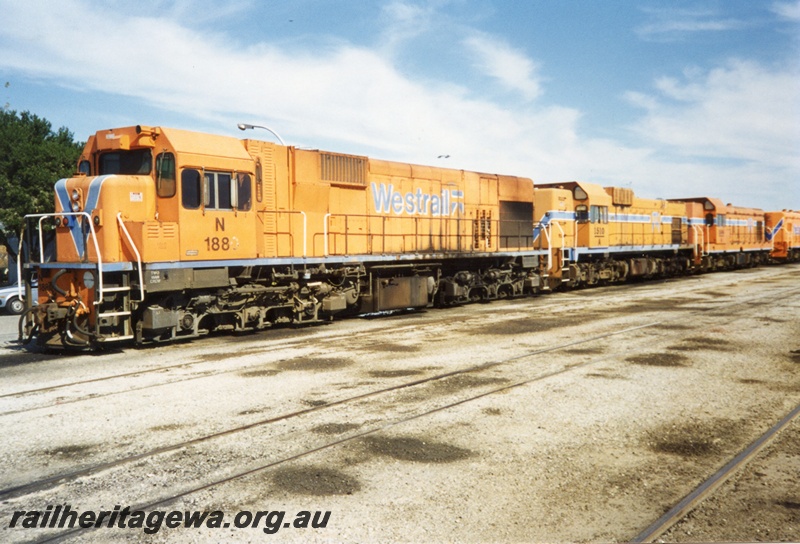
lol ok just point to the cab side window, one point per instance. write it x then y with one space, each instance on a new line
165 175
244 192
191 188
598 214
582 213
218 191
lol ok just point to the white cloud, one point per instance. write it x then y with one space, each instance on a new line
511 68
787 10
740 111
670 24
346 93
732 131
735 122
406 21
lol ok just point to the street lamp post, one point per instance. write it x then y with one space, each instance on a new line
245 126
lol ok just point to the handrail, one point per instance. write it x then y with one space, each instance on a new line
305 227
305 233
699 231
575 240
325 233
377 235
138 260
546 229
563 245
563 236
42 217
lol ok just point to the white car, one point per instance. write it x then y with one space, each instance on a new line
10 301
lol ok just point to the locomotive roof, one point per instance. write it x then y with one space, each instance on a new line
197 143
719 206
182 141
717 203
594 190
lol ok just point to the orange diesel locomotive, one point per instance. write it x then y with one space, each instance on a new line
610 235
728 236
167 234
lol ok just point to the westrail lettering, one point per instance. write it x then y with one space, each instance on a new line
449 202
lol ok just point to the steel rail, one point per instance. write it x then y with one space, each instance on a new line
690 501
757 446
305 453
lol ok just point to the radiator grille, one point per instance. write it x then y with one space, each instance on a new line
347 169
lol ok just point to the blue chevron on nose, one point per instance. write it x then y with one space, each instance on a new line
78 230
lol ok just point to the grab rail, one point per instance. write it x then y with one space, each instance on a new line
42 217
91 234
138 260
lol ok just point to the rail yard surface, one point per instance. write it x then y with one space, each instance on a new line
577 416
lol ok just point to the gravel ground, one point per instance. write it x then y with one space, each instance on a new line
575 417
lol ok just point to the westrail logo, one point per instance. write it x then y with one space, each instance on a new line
447 203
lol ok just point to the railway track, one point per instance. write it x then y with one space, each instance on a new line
4 494
292 345
16 491
712 484
49 483
287 342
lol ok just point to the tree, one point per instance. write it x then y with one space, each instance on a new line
32 158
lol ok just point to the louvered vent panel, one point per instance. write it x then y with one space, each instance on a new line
347 169
169 230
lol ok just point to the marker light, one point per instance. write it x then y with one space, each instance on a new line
88 279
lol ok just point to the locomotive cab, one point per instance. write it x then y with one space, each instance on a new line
591 212
141 195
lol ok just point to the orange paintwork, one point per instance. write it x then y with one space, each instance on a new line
717 227
304 203
603 220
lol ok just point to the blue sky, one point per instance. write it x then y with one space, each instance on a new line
674 99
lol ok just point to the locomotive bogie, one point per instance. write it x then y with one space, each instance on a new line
250 299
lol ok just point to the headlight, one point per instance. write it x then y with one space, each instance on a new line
75 194
76 206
